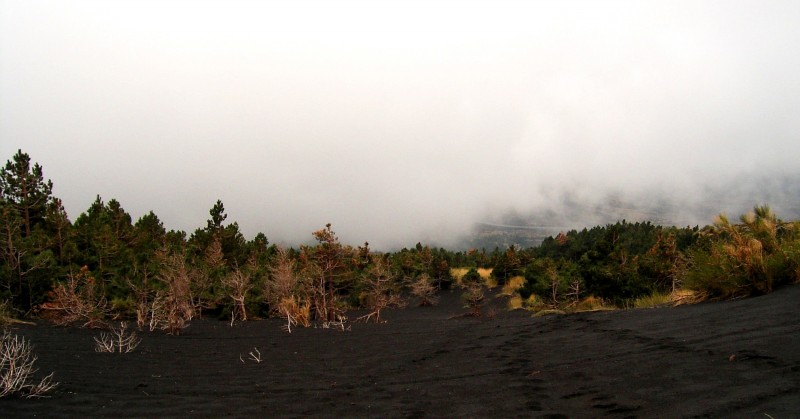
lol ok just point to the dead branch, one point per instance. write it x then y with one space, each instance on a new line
282 281
117 340
17 367
295 312
255 356
422 287
381 291
77 301
238 284
172 307
338 324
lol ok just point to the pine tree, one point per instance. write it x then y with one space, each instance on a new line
24 188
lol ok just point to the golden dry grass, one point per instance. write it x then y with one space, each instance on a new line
458 273
512 285
485 273
592 303
548 312
654 300
680 297
515 303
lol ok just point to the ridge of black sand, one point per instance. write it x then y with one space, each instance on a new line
726 359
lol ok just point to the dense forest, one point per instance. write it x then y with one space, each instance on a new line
105 265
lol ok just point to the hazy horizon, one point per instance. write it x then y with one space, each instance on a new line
399 121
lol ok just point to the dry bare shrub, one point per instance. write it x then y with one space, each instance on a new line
295 312
286 291
202 280
172 306
118 339
474 298
143 300
339 324
422 287
473 294
330 258
282 282
214 256
381 289
17 369
314 287
325 305
238 284
77 300
169 312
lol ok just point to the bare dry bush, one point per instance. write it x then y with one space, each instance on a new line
314 288
143 297
290 293
474 298
473 294
422 287
172 307
17 369
170 313
203 280
295 312
382 289
330 257
238 284
77 300
117 339
324 305
339 324
282 282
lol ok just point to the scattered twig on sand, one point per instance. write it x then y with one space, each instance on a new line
339 324
254 355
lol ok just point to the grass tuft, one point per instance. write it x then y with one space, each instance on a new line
653 300
485 273
515 303
548 312
513 284
592 303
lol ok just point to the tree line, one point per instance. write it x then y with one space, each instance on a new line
105 264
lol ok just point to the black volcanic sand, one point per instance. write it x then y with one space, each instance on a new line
726 359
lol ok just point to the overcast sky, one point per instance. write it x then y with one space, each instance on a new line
397 121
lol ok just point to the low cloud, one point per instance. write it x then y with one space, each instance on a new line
398 123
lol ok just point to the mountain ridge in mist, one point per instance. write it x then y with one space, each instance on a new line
733 198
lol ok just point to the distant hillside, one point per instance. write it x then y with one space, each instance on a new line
734 198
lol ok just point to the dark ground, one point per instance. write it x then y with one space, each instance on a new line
668 362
